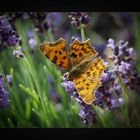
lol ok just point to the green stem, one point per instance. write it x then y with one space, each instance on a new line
34 75
29 63
137 40
83 33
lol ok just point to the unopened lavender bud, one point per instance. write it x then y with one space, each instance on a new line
18 54
9 79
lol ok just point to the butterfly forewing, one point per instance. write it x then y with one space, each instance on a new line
56 52
79 50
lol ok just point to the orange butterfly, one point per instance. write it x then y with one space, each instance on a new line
84 67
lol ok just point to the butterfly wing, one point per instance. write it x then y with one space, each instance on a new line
79 50
89 81
56 52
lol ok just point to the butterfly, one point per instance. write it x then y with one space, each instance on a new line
84 67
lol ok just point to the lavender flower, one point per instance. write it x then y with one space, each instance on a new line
87 114
9 79
78 19
68 85
18 53
8 36
38 18
124 60
30 34
12 40
106 95
4 101
123 63
114 103
31 41
54 19
73 38
124 67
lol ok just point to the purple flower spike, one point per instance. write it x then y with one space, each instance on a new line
114 103
69 86
9 79
18 54
124 67
32 43
30 34
124 62
111 43
8 36
4 94
12 41
79 18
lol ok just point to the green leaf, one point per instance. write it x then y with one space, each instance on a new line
28 109
30 92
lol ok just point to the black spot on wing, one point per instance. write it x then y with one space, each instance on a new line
88 73
61 63
64 57
87 84
80 54
84 80
60 52
54 59
73 55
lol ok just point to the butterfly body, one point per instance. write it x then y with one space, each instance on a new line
84 67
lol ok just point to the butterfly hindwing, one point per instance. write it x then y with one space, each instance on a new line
56 52
95 69
89 81
84 88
